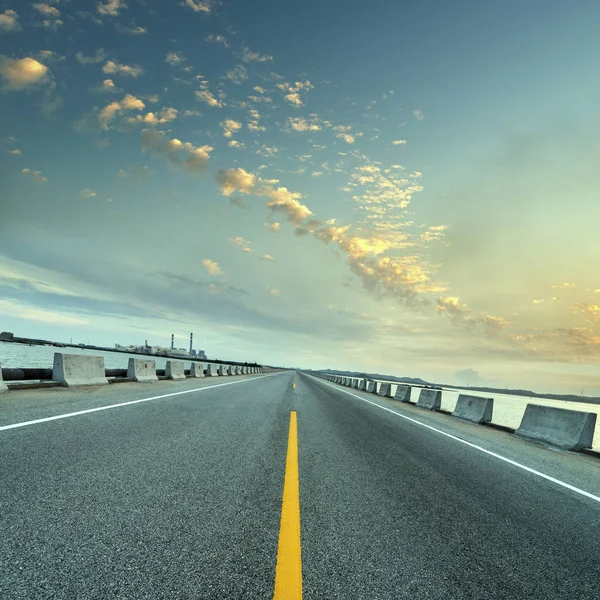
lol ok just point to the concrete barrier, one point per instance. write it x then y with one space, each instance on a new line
229 370
566 429
402 393
175 369
196 370
211 370
474 408
244 370
355 383
385 389
141 370
72 370
220 371
362 384
236 371
3 386
430 399
371 387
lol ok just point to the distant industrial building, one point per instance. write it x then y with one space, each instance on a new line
161 351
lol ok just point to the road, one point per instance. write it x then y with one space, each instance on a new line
180 496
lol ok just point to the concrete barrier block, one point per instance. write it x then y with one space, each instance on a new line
229 370
371 387
402 393
355 383
430 399
72 370
175 369
141 370
385 389
197 370
474 408
3 386
220 371
211 370
362 384
244 370
566 429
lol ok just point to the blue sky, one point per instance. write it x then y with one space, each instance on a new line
401 187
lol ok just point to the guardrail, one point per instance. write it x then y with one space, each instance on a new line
73 370
563 428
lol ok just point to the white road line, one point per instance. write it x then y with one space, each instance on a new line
474 446
129 403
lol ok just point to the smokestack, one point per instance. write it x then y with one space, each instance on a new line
191 342
172 341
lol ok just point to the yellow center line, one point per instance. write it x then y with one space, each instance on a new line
288 573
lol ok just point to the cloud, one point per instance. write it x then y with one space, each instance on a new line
399 142
166 115
114 68
175 58
206 96
242 243
19 310
469 377
563 286
90 60
131 30
253 121
37 175
111 8
230 127
591 311
418 114
461 314
537 301
249 56
273 226
87 193
212 267
237 75
301 124
274 292
107 86
9 21
343 132
22 73
182 155
204 6
15 151
110 111
292 91
235 180
266 257
47 10
217 39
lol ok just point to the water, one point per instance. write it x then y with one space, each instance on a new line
509 409
42 357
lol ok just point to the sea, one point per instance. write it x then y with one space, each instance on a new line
508 409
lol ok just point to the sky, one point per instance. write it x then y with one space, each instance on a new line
409 188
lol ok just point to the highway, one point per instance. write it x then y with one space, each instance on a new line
175 489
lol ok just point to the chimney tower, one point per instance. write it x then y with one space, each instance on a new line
172 341
191 343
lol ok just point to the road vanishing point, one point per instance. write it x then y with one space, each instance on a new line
282 486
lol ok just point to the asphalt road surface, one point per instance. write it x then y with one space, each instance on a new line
180 496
